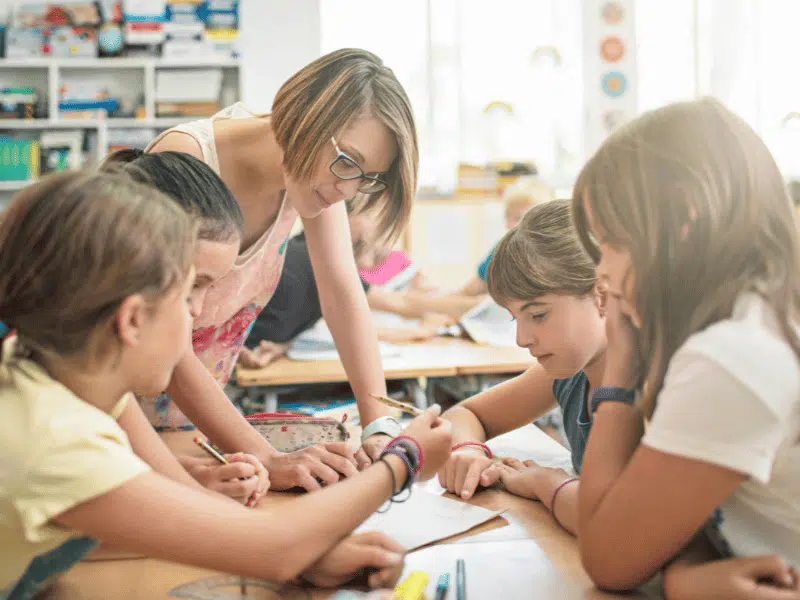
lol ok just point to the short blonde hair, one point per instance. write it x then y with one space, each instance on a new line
527 192
323 98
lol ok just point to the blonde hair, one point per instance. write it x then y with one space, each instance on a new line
541 255
527 192
324 98
74 245
696 198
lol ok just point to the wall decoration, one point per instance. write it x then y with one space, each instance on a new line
609 68
612 49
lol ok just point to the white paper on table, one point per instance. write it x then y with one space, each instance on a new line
425 518
531 443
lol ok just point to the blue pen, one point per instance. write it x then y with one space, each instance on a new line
461 583
442 585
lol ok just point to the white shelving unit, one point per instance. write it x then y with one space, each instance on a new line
132 79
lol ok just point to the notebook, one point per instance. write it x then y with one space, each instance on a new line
317 344
490 324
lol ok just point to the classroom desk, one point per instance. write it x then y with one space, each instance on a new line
519 556
440 357
437 358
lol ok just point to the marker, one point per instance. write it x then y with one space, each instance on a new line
442 585
412 588
406 408
461 583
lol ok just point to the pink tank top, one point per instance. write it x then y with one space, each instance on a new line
233 303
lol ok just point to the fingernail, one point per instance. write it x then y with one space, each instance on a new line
465 495
394 558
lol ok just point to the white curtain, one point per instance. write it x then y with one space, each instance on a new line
457 57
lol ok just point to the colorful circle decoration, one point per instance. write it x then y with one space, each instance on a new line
612 13
612 119
614 84
612 49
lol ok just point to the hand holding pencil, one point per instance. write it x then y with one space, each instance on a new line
240 476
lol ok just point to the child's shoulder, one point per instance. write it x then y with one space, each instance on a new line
750 346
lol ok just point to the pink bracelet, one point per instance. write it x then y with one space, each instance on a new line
483 447
555 494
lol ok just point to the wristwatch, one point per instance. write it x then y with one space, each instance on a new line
386 425
612 394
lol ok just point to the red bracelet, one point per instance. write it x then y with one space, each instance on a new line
483 447
419 449
553 499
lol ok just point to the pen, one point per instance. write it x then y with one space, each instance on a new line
461 584
406 408
442 585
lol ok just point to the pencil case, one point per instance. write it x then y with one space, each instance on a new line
287 433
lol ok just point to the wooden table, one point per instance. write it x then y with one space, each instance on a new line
522 555
438 358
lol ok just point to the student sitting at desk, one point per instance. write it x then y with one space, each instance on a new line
295 305
96 278
688 217
543 277
519 197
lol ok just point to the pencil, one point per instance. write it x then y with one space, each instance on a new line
212 452
406 408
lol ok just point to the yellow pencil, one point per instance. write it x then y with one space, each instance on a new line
406 408
211 451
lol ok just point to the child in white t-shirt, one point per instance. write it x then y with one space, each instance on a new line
687 215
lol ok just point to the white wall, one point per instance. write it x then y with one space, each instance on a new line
278 37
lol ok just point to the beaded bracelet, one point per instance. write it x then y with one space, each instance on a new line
420 455
553 499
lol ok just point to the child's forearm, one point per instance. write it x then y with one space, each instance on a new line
193 528
204 402
565 509
148 446
466 426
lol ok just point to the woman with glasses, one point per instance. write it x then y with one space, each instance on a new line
340 128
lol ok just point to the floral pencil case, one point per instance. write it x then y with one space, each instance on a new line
287 433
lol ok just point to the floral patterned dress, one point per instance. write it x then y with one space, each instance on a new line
233 303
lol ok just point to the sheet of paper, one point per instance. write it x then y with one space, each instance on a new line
426 518
531 443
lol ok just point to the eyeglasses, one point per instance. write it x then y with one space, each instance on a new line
347 169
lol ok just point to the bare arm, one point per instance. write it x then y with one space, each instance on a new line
415 305
503 408
498 410
148 446
474 287
213 533
345 308
201 399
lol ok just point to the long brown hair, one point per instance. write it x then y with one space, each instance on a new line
323 98
693 193
74 245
